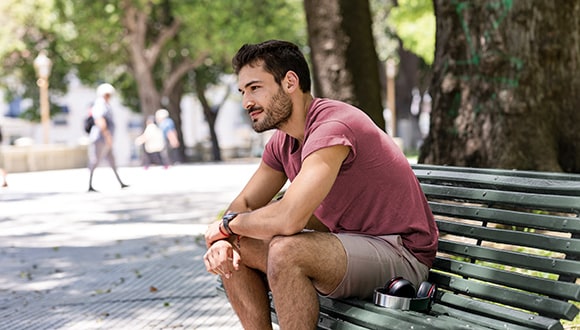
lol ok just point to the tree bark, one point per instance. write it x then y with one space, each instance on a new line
142 59
505 86
344 60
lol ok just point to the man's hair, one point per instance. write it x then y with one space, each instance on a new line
278 57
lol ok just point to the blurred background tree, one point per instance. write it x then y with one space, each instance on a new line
504 76
158 50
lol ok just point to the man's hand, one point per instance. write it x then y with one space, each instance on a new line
222 259
213 233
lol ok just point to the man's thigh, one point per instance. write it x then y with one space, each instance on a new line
319 256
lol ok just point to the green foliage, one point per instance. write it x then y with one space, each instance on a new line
97 45
29 26
414 22
221 27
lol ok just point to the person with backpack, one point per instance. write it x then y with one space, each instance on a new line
101 133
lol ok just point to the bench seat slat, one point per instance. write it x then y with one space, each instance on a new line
515 259
543 305
507 217
560 290
569 246
497 317
369 315
559 203
365 318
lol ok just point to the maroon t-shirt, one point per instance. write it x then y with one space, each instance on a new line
376 192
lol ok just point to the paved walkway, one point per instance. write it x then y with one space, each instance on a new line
117 259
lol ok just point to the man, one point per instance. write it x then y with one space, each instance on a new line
167 125
101 134
345 173
3 174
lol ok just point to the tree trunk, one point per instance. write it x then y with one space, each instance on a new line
344 60
210 114
174 108
142 58
505 85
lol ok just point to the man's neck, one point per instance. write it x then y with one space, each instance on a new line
296 125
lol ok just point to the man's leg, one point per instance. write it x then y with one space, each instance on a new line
95 155
113 164
247 290
298 267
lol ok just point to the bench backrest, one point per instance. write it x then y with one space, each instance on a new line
510 239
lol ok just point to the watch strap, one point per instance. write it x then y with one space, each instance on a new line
226 219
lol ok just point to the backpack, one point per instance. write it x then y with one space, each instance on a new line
89 122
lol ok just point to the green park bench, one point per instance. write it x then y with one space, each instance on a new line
507 257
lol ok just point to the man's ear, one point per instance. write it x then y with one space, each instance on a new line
291 82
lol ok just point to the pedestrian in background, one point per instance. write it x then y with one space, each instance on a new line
2 170
102 132
168 127
153 143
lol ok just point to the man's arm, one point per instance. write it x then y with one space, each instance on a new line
291 214
101 122
264 184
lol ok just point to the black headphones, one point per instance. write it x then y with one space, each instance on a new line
399 293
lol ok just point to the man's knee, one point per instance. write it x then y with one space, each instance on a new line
283 252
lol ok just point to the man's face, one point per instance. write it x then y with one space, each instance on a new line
266 102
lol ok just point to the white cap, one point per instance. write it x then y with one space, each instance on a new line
161 114
104 89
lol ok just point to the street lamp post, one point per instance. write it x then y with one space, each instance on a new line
42 66
391 72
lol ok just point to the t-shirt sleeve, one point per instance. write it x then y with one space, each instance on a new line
98 110
329 134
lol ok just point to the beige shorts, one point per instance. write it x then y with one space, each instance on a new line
372 261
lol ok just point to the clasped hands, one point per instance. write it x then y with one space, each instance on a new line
221 258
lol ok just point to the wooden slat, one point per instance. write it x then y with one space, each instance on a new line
497 317
365 318
541 304
511 258
537 201
507 217
498 182
355 311
458 170
546 242
554 289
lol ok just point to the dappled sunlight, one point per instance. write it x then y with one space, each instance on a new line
116 259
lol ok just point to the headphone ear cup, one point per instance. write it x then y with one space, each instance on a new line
391 282
425 290
400 287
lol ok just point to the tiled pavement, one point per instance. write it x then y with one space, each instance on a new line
117 259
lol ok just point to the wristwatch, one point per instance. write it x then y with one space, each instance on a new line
226 219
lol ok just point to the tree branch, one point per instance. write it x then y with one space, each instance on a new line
183 68
152 53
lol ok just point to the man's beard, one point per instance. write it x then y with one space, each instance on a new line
276 113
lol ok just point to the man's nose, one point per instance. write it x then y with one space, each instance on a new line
248 102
